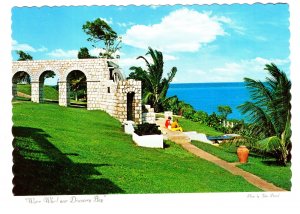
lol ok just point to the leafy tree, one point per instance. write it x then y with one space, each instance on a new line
171 104
213 120
23 76
23 56
270 112
224 111
200 116
83 53
77 82
186 110
98 31
155 87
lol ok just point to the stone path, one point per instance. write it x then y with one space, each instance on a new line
185 142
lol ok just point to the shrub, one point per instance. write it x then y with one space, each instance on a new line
187 111
200 116
147 129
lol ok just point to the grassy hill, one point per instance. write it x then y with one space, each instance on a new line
50 92
61 150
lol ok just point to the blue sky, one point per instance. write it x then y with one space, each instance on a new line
209 43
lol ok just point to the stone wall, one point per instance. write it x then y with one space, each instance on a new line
102 92
149 115
123 88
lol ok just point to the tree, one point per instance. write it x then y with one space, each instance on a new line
23 56
270 113
77 82
23 76
224 111
154 86
83 53
98 31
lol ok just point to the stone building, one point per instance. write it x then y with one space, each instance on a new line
106 87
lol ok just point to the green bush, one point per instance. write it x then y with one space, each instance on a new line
147 129
200 116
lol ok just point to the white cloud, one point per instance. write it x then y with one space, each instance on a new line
183 30
233 71
63 54
222 19
133 61
252 68
26 47
168 57
125 24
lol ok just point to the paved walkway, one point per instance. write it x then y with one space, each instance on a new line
185 142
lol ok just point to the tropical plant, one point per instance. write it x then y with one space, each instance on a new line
172 104
200 116
23 56
224 111
77 82
23 77
215 121
270 113
98 31
186 110
154 85
83 53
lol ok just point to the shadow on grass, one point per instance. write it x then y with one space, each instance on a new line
41 169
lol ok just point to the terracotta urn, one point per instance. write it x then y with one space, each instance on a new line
242 153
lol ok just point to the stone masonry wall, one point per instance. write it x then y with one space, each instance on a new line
102 93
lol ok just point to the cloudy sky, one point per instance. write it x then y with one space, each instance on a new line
209 43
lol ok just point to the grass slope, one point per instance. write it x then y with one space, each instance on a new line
264 167
61 150
189 125
49 92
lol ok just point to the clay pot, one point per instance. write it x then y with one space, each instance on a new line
242 153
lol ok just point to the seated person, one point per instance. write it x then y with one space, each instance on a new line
175 126
168 123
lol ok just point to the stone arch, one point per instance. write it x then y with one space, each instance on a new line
23 69
82 83
40 77
75 68
19 76
45 69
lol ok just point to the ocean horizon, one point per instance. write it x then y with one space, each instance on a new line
208 96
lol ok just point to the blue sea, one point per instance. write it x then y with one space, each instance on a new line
208 96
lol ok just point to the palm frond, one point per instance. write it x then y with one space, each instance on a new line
261 121
258 91
269 144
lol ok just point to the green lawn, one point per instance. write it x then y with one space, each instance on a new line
189 125
50 92
264 167
61 150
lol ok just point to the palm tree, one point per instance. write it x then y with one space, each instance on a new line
154 86
77 81
270 112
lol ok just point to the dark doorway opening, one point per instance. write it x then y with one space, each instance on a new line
130 106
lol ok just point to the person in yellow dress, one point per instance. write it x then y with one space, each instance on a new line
175 126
